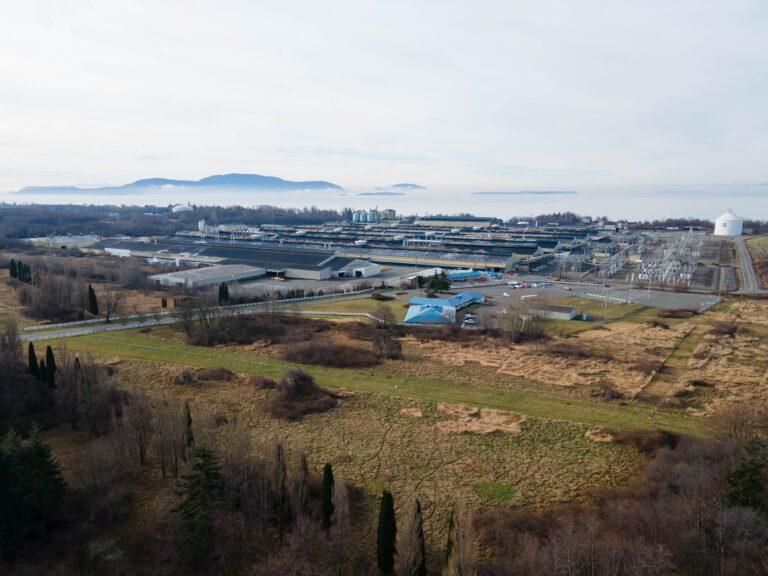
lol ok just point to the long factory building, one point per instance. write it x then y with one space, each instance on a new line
354 250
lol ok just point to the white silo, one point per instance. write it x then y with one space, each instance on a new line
729 225
356 217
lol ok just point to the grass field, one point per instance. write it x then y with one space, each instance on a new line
594 308
364 305
372 443
133 344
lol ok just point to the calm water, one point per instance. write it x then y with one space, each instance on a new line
627 203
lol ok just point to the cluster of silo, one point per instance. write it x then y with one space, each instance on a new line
362 216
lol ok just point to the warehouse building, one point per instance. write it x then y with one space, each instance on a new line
209 276
551 312
457 221
278 262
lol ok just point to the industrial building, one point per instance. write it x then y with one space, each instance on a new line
440 310
729 224
457 221
209 276
276 261
551 312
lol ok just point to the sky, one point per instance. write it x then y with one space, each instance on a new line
483 95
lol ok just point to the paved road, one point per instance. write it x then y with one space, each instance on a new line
131 322
748 273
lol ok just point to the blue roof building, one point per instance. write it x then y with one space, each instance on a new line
458 301
430 314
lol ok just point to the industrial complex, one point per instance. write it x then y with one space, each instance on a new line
468 251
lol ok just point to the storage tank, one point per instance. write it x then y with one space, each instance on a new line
356 217
729 225
373 216
363 216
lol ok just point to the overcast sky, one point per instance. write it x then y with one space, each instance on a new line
483 95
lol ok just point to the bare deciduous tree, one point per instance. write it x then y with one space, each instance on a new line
460 554
138 425
113 300
341 515
410 559
169 436
185 313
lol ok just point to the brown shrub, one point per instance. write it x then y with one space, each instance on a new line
216 374
259 327
702 384
575 350
724 329
676 313
331 354
297 395
607 391
669 403
205 374
647 441
648 366
658 324
262 382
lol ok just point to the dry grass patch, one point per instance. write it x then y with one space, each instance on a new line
478 420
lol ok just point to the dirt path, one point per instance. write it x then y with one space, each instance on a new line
675 365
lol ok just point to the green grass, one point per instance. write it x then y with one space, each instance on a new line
632 415
362 305
496 492
594 308
760 242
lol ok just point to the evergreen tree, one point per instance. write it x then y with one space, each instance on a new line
327 496
223 292
386 534
50 361
31 490
43 372
13 271
189 436
34 367
50 367
93 303
199 491
745 483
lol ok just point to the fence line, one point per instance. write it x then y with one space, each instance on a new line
171 312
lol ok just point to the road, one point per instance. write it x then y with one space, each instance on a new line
748 273
131 322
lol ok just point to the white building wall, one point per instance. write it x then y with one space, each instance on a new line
729 225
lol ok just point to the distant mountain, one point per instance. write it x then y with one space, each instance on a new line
407 186
243 181
401 186
382 193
